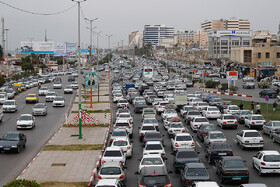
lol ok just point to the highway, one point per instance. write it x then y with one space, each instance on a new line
12 164
133 163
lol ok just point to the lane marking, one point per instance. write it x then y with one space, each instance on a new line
198 144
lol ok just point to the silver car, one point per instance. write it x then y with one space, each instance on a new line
39 109
50 96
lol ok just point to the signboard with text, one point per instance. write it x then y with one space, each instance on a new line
232 75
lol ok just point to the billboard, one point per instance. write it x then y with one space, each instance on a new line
85 51
37 47
71 49
232 75
59 49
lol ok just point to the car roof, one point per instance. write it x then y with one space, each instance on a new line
12 132
152 156
270 152
183 134
231 158
111 164
249 130
107 181
213 132
153 142
186 150
113 149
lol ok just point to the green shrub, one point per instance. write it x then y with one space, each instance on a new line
211 84
233 89
224 86
23 183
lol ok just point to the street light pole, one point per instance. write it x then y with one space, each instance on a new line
79 66
90 37
109 37
31 49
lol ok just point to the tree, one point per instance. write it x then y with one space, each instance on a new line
1 52
26 64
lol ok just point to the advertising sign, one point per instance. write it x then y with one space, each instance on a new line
37 47
60 49
232 75
252 73
88 78
85 51
71 49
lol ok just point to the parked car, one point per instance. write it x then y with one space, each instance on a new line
13 141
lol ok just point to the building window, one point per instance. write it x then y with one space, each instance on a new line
224 42
266 55
246 42
259 55
278 54
235 42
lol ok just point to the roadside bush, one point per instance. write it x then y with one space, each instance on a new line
233 89
224 87
211 84
23 183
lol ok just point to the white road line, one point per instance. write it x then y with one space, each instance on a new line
198 144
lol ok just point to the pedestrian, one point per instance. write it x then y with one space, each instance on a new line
258 108
241 106
252 106
274 107
39 85
193 82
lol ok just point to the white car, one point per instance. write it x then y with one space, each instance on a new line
249 138
74 85
138 99
182 141
169 98
185 109
166 122
125 116
150 161
146 128
231 109
43 91
117 97
57 85
118 134
154 148
50 96
196 122
227 120
255 121
169 113
211 112
124 124
26 121
10 106
214 136
113 154
68 89
161 106
151 121
174 128
3 98
195 100
122 103
58 101
124 144
112 170
200 106
267 162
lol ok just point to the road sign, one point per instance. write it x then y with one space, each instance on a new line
186 71
231 81
88 78
266 97
220 86
232 75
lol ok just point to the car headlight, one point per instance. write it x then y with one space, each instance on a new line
1 146
14 146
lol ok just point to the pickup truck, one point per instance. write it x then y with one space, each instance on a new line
248 85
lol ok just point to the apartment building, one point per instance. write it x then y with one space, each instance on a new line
211 25
225 24
153 33
184 37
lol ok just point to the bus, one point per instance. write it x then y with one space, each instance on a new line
148 72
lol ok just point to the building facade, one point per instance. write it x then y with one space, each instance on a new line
201 38
184 37
153 33
220 42
225 24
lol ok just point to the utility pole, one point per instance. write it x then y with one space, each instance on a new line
97 64
6 42
31 38
3 35
90 37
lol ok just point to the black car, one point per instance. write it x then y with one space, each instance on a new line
139 106
204 129
183 156
142 88
271 93
12 141
156 176
216 150
273 87
152 136
232 169
193 172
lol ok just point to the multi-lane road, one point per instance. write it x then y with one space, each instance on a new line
133 163
12 164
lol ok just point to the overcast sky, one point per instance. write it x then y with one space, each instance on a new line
120 17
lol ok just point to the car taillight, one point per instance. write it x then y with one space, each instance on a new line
99 177
170 131
224 122
128 147
162 154
142 134
208 112
122 161
276 129
262 163
261 141
187 182
111 140
129 127
122 176
247 173
264 122
168 185
183 130
189 118
246 141
115 127
230 154
103 161
236 122
204 133
192 143
226 174
145 141
178 163
242 117
142 185
166 122
228 110
253 122
176 145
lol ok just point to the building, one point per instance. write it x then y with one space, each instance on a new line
184 38
201 39
263 39
225 24
136 39
220 42
153 33
132 36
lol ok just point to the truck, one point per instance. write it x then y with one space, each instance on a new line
127 86
180 100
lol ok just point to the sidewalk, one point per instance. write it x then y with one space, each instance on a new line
66 158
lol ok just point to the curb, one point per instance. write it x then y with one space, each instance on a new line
224 93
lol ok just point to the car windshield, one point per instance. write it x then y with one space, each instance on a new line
9 103
213 109
196 172
141 104
151 161
152 135
217 100
39 106
113 153
119 133
201 120
234 164
183 138
229 117
122 101
50 94
154 180
153 147
148 128
271 158
44 88
276 124
202 104
150 121
149 111
11 137
252 134
163 104
246 112
121 124
68 87
233 108
220 146
176 125
209 127
217 135
25 117
31 96
186 154
189 108
110 171
257 118
120 143
195 113
124 115
58 99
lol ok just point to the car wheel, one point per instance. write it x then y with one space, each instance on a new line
253 165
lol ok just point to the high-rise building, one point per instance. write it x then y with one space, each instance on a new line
153 33
225 24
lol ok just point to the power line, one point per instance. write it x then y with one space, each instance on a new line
85 19
35 13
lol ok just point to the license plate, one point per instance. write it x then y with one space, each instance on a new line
259 121
184 144
6 149
237 178
274 165
222 153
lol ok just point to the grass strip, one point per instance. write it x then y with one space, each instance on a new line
267 115
94 111
99 125
73 147
64 184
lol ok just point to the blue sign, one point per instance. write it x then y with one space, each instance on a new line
267 98
232 82
95 78
186 71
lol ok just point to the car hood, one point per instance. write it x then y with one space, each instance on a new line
24 122
8 143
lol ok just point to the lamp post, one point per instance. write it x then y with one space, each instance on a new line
90 36
31 49
109 37
79 66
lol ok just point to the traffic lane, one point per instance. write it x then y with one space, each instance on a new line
36 138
